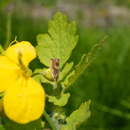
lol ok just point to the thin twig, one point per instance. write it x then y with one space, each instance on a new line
8 29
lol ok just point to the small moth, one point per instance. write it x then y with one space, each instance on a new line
55 68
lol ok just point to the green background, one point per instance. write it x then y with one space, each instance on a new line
107 81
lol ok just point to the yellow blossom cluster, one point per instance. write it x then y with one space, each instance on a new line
24 98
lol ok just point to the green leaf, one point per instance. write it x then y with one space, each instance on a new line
80 115
10 125
68 80
65 71
77 117
59 42
78 70
85 61
62 101
38 76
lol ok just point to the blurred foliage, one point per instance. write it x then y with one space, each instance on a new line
47 3
50 3
92 2
107 80
102 2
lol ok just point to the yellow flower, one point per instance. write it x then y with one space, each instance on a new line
24 98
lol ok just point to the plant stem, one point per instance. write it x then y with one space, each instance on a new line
50 121
8 29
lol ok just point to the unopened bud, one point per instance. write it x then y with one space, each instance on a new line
47 73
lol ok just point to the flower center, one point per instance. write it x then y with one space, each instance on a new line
26 72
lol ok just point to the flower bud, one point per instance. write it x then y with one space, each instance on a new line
47 73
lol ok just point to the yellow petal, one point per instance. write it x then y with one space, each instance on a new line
23 50
25 102
8 73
